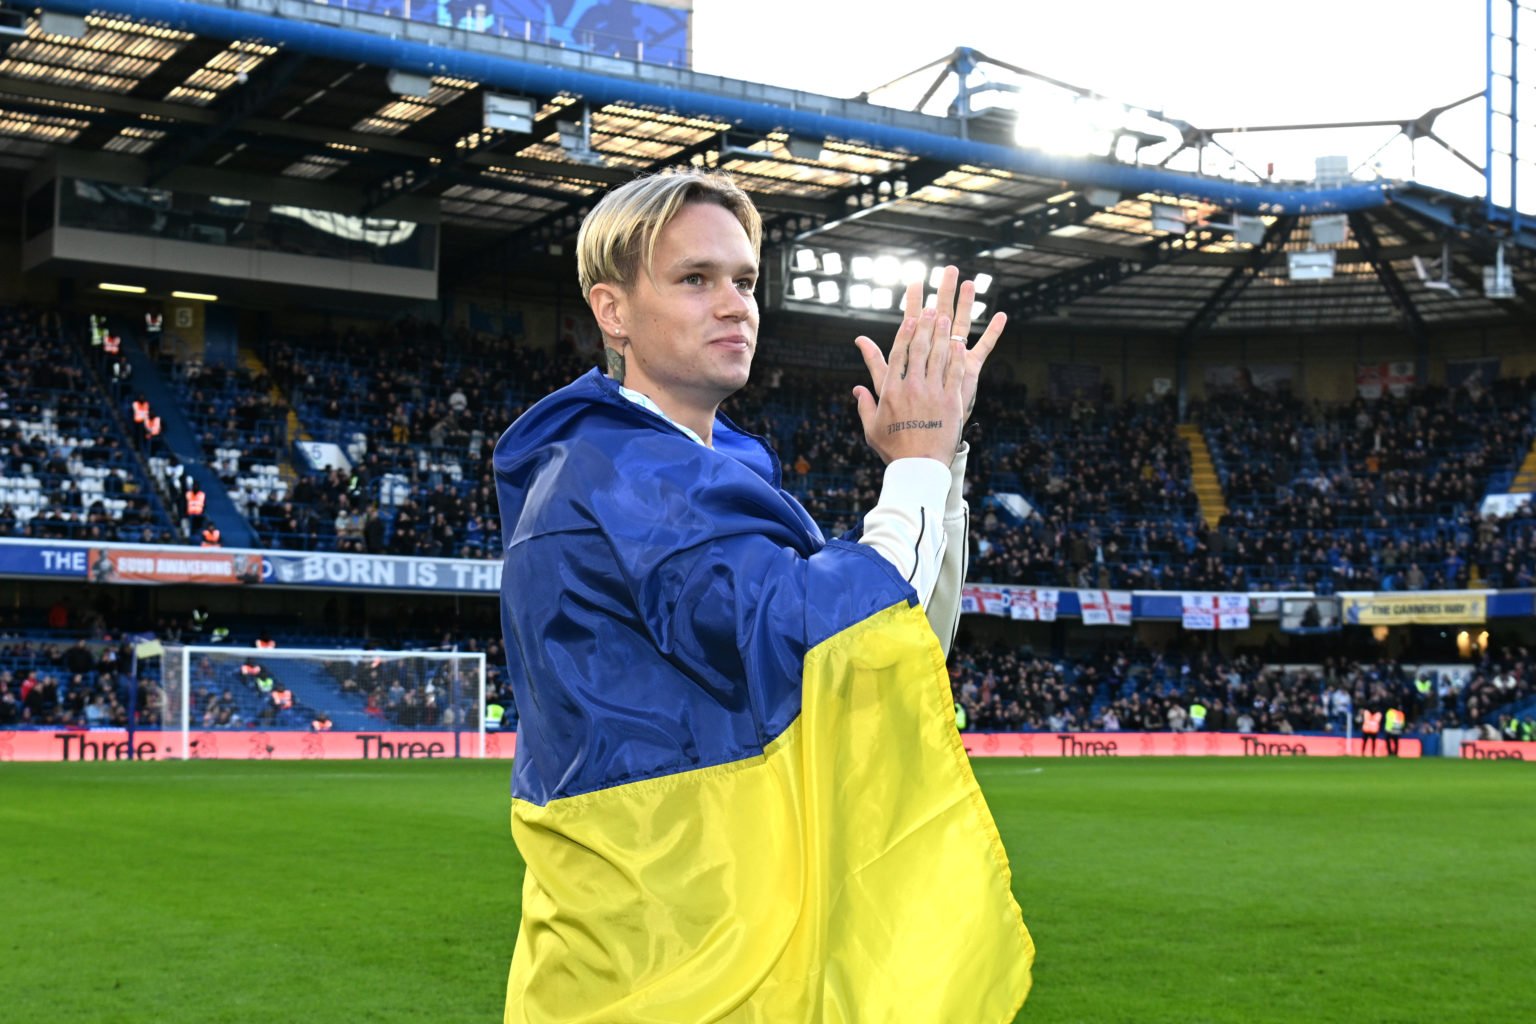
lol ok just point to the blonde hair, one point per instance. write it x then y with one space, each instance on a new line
618 238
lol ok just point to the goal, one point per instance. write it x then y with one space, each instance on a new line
267 702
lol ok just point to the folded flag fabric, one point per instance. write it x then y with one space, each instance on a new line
739 790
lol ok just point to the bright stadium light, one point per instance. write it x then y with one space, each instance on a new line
983 282
802 288
860 295
913 270
828 292
887 270
935 277
805 260
862 268
978 308
131 289
831 263
882 298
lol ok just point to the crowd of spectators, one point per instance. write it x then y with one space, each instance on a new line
1084 492
66 471
1012 689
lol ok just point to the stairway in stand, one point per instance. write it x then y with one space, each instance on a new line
1525 476
1202 471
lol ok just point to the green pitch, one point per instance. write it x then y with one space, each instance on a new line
1157 890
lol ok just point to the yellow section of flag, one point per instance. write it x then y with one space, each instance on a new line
852 872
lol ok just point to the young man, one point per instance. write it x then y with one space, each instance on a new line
739 789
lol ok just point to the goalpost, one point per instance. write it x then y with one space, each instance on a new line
382 703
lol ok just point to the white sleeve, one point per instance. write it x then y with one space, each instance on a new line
906 526
943 607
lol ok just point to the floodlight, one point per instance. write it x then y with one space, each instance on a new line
978 308
1311 265
913 270
862 268
882 298
1330 230
1168 218
828 292
511 114
935 276
805 260
983 281
131 289
195 296
57 23
403 83
932 302
1248 230
859 296
1105 197
831 263
887 270
802 288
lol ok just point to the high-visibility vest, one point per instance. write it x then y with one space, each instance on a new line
152 426
1423 685
140 411
112 343
494 713
265 682
961 718
1197 713
266 644
1395 720
1370 723
196 499
210 536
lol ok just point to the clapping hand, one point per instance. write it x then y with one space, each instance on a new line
927 390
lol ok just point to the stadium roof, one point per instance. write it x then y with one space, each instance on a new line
369 110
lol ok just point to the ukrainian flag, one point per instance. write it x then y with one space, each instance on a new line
739 790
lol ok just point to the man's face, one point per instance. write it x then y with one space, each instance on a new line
691 325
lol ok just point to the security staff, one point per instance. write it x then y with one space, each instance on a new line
1370 728
1395 720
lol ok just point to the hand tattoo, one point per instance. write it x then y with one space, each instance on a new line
915 425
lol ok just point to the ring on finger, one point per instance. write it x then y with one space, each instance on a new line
958 337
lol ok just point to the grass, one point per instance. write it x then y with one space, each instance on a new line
1178 890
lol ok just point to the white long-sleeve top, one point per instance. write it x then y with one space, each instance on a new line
919 525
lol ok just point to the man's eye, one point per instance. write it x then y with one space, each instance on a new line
746 284
694 279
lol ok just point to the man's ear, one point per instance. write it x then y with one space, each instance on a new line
609 309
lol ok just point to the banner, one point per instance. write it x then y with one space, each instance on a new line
35 559
1169 744
240 745
244 745
1105 607
1034 605
1023 603
383 572
1215 611
654 32
1394 609
1498 750
1372 380
173 565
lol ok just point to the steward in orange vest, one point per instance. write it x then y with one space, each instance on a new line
1370 728
140 410
210 536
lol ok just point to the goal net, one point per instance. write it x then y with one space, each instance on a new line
255 702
